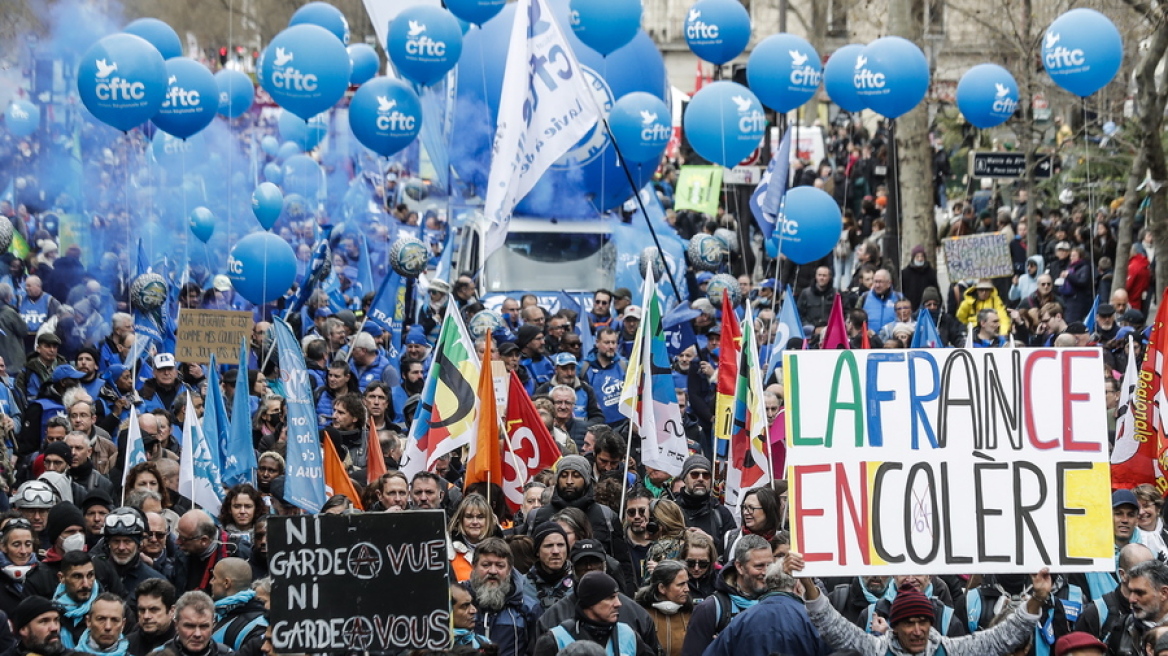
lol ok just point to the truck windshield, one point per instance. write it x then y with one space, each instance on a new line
552 261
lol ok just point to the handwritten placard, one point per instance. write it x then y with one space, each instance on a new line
978 256
943 461
203 332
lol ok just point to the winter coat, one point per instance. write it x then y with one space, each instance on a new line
513 628
1026 284
629 613
970 307
670 630
777 625
914 281
1076 290
815 304
706 513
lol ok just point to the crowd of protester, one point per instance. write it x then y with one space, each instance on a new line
604 553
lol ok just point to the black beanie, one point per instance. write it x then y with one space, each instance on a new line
59 449
544 530
29 609
527 332
594 588
62 516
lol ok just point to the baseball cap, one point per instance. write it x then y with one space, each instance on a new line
64 371
507 348
703 277
564 360
1063 246
221 283
587 549
1124 498
769 283
633 312
164 361
323 313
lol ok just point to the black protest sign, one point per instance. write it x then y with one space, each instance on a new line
373 582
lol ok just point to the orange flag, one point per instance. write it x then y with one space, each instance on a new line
336 479
484 462
865 342
374 458
727 388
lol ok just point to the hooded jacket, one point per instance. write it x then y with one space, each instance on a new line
970 307
1027 284
606 527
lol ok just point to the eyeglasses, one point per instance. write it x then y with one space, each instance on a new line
699 474
125 520
633 512
751 509
182 539
156 535
697 564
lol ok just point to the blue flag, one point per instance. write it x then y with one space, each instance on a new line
319 268
790 326
926 335
768 196
215 420
587 338
364 265
387 311
143 263
304 470
677 329
241 457
1090 320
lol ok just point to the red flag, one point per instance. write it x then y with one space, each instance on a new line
727 390
865 343
1129 467
336 479
1152 398
836 334
532 446
483 463
374 458
700 78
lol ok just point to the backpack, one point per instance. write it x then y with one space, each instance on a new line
723 612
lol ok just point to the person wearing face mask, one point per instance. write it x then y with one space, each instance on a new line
917 276
65 530
667 600
17 558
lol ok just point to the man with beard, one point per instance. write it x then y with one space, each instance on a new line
597 619
701 509
737 588
155 621
82 472
1147 585
1104 616
103 627
506 616
575 489
239 614
637 529
550 577
194 618
75 595
37 624
124 529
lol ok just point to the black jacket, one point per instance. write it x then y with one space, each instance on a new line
707 514
584 630
606 527
815 304
142 644
630 611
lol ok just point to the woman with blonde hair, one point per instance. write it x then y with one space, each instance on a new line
473 522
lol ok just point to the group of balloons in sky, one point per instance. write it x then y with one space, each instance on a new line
140 74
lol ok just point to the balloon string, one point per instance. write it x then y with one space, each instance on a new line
1090 190
894 157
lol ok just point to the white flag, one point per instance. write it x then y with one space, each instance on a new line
135 450
545 108
198 473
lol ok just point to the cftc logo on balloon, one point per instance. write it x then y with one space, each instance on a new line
286 77
1061 58
750 119
108 86
1003 103
652 129
420 44
865 79
180 100
698 30
389 119
802 74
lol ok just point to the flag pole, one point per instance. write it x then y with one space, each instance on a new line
624 165
628 456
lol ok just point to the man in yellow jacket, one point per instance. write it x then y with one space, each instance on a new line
983 296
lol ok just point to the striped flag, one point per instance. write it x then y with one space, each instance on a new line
749 444
447 417
198 471
728 357
649 399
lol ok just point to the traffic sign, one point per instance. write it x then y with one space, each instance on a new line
989 164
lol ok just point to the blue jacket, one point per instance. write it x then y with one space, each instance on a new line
607 382
515 627
379 369
777 625
881 311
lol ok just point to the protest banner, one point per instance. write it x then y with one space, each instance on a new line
978 256
939 461
203 332
698 189
372 582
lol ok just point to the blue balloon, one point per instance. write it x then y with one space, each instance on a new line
365 63
891 76
270 145
267 202
810 225
296 208
305 134
724 123
477 12
261 267
717 30
202 223
273 173
288 149
839 78
305 69
22 118
324 15
424 43
303 175
122 81
192 98
178 154
784 71
987 95
642 124
236 92
159 34
605 25
589 177
1082 51
385 115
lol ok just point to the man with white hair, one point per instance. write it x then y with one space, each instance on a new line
369 364
778 624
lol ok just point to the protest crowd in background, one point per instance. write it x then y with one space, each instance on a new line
139 487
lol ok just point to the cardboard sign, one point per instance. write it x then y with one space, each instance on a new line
203 332
698 188
939 461
978 256
371 582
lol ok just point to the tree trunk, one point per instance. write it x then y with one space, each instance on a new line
914 200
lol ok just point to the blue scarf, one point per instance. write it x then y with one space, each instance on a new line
889 592
469 638
73 610
87 646
742 603
224 605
